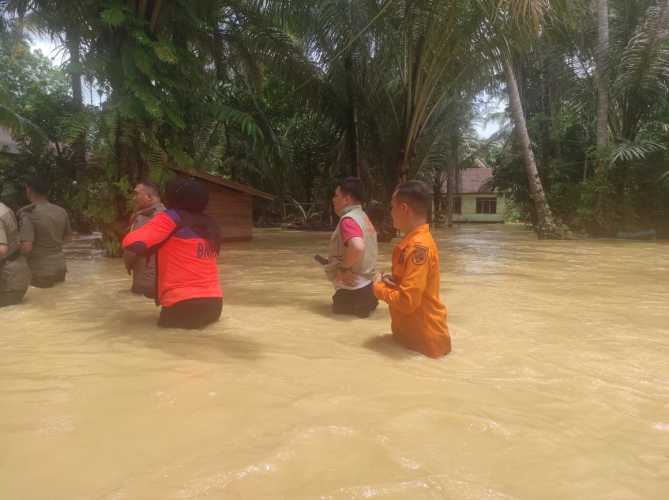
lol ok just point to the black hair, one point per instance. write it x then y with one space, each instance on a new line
153 187
187 194
190 198
417 195
353 187
38 185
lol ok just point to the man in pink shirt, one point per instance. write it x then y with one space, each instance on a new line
353 250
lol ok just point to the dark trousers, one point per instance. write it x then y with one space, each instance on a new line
47 281
146 293
191 314
11 298
358 303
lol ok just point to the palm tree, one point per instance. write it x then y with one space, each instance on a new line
389 66
507 29
602 55
447 146
643 65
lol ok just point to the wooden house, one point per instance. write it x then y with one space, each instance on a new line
231 203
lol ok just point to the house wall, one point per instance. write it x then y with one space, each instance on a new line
469 209
233 210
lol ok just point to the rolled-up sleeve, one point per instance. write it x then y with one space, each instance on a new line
4 239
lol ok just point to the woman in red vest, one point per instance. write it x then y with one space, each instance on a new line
186 243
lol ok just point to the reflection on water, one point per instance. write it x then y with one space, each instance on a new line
557 388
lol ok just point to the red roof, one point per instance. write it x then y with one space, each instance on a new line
474 180
217 179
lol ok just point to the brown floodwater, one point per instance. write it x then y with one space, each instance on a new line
558 386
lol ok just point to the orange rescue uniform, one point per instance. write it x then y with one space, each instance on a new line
418 315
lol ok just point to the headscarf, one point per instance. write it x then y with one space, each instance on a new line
190 198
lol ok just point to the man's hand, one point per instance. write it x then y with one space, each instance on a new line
26 247
346 277
387 279
129 259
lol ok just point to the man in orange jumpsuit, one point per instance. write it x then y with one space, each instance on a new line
412 292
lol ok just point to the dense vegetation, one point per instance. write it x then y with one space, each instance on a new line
289 94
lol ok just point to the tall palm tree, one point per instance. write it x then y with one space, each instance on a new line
507 29
602 56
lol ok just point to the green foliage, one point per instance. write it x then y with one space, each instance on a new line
288 96
620 188
113 16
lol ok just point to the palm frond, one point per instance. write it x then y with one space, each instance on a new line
22 126
627 151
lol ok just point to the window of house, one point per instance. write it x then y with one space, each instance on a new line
486 205
457 205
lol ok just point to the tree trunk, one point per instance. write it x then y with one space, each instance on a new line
545 225
73 41
352 136
437 182
402 167
217 52
546 106
351 71
451 187
451 173
602 78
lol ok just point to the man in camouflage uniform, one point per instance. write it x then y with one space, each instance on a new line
14 270
147 205
44 227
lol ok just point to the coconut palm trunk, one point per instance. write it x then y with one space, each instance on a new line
451 187
602 82
437 198
451 174
73 41
545 224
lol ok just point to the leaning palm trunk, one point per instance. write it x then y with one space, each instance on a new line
545 225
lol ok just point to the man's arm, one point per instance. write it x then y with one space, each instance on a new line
354 249
129 259
26 232
154 232
143 239
4 242
407 295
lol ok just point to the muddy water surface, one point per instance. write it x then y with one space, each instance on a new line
558 386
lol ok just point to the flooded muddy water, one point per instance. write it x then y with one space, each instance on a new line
557 388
